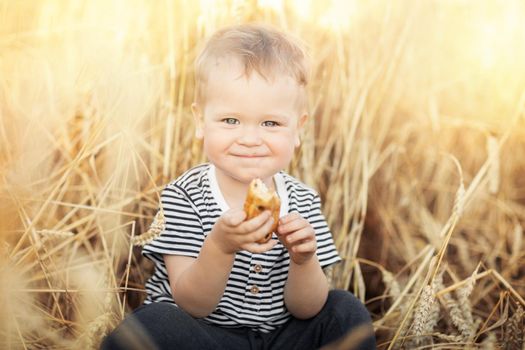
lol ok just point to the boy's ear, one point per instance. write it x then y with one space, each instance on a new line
300 125
199 122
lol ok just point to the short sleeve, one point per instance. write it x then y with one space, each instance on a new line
326 250
182 233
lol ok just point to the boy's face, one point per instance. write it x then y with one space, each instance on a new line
250 126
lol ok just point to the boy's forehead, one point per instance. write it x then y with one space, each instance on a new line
233 71
227 76
229 81
221 67
233 67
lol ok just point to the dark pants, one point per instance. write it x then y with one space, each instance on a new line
343 323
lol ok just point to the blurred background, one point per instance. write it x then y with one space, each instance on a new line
416 143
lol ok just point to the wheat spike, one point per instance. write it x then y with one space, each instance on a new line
464 256
98 328
55 234
421 315
490 342
517 242
96 331
449 337
5 248
463 294
238 10
157 226
457 317
433 317
513 337
329 273
51 236
426 316
459 201
494 169
461 311
459 206
391 284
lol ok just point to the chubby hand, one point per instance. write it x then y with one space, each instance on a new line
232 233
298 236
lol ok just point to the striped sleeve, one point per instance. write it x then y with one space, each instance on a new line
183 233
326 250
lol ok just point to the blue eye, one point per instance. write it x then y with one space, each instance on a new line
270 123
230 121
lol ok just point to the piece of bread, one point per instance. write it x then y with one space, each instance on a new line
259 199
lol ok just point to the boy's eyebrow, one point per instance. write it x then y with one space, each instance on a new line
274 115
227 114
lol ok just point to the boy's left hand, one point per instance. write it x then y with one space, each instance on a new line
298 236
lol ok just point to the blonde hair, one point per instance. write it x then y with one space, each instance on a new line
258 48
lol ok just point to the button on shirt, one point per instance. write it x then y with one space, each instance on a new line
254 289
254 293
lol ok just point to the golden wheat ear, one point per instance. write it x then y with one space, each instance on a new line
155 229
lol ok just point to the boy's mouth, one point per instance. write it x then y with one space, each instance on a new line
249 155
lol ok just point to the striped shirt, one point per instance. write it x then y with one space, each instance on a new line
253 296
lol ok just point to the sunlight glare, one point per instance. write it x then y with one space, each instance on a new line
303 8
276 5
339 15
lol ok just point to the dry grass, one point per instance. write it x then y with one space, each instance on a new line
416 144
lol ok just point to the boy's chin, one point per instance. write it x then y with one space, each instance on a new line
245 173
246 176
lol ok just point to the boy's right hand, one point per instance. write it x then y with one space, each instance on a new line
231 233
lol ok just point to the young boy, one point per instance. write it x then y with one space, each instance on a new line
214 287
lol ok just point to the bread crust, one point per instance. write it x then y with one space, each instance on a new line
260 199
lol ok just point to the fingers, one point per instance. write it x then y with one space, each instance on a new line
290 217
246 233
261 231
251 230
257 222
292 223
304 234
234 217
305 247
257 248
297 234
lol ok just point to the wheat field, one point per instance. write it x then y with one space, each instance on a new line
416 143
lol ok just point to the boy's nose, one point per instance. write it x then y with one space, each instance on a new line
250 137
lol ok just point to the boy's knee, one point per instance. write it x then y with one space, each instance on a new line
137 331
131 334
353 318
347 307
153 310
